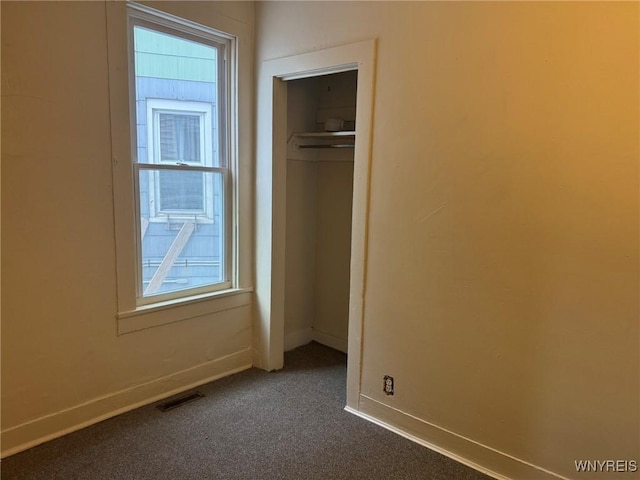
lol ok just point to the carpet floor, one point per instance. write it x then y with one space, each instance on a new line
288 424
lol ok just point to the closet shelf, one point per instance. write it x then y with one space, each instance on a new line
343 139
341 134
329 145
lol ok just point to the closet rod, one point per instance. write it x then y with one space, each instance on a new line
347 145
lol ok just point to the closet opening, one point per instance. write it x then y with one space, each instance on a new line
294 111
320 126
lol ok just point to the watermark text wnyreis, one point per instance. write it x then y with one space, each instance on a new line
618 466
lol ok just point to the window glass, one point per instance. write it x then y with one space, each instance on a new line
180 177
180 138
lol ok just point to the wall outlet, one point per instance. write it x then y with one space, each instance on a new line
388 385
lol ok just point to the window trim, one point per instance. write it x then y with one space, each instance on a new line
185 294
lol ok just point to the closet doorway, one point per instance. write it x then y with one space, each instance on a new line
313 154
321 119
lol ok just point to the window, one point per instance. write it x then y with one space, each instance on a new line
181 135
180 98
182 175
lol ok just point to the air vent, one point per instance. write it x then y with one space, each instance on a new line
179 401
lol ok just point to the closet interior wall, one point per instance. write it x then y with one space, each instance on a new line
319 207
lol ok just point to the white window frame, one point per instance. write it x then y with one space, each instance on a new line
131 316
182 29
155 107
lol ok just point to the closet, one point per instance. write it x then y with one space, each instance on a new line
321 116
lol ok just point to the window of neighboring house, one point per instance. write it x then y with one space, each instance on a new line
181 168
181 135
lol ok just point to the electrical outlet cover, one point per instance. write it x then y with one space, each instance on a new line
388 387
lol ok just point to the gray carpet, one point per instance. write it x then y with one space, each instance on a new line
253 425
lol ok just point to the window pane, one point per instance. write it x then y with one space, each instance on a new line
181 71
179 138
181 211
178 250
181 191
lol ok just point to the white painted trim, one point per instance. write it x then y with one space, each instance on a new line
174 22
270 200
176 311
320 71
480 457
340 344
297 339
35 432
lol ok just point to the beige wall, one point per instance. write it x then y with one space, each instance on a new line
62 362
319 196
502 274
333 252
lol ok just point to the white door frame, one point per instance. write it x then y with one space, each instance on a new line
271 164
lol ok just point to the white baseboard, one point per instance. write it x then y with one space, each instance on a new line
297 339
482 458
43 429
337 343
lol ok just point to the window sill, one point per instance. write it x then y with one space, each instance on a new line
170 311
